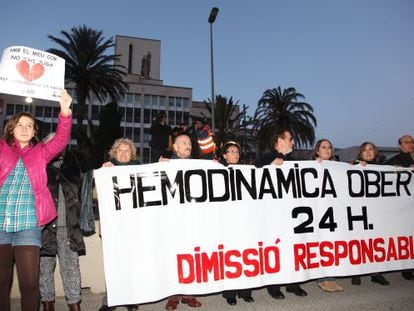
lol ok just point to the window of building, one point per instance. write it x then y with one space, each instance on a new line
155 104
19 108
55 112
39 112
48 112
130 98
171 117
178 117
128 132
147 115
178 102
129 114
185 103
186 117
10 110
171 103
137 98
137 134
147 101
162 102
146 155
137 115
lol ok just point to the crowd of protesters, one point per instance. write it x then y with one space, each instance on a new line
41 206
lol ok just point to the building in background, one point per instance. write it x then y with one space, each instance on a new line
146 98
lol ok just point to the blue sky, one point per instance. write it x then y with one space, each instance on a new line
353 60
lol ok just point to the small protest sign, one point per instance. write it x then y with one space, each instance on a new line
32 73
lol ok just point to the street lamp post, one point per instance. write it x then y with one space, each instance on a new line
211 19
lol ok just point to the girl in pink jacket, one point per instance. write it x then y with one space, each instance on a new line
25 201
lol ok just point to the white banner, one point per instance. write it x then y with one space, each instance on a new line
31 73
197 227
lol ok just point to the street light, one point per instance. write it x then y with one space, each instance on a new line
211 19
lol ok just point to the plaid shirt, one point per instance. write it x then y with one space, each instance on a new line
17 207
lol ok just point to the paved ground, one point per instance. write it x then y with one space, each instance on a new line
398 296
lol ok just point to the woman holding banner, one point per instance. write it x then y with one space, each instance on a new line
324 151
26 204
230 154
369 154
123 152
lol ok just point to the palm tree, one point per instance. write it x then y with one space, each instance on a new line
89 68
279 109
231 123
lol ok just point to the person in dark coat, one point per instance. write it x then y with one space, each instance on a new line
282 149
406 156
62 237
160 137
404 159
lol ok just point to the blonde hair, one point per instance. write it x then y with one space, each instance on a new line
123 141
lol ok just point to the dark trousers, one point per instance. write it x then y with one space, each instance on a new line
241 293
272 289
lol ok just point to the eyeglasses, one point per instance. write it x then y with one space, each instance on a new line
408 142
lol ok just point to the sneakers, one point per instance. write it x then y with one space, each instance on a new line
330 286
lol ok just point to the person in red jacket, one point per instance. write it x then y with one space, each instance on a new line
26 203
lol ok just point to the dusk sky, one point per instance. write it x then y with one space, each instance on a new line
353 60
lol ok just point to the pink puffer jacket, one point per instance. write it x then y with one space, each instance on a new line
35 159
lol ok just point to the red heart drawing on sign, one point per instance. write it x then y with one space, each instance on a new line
30 73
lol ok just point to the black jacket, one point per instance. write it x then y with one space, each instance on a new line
269 157
69 178
160 135
401 159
